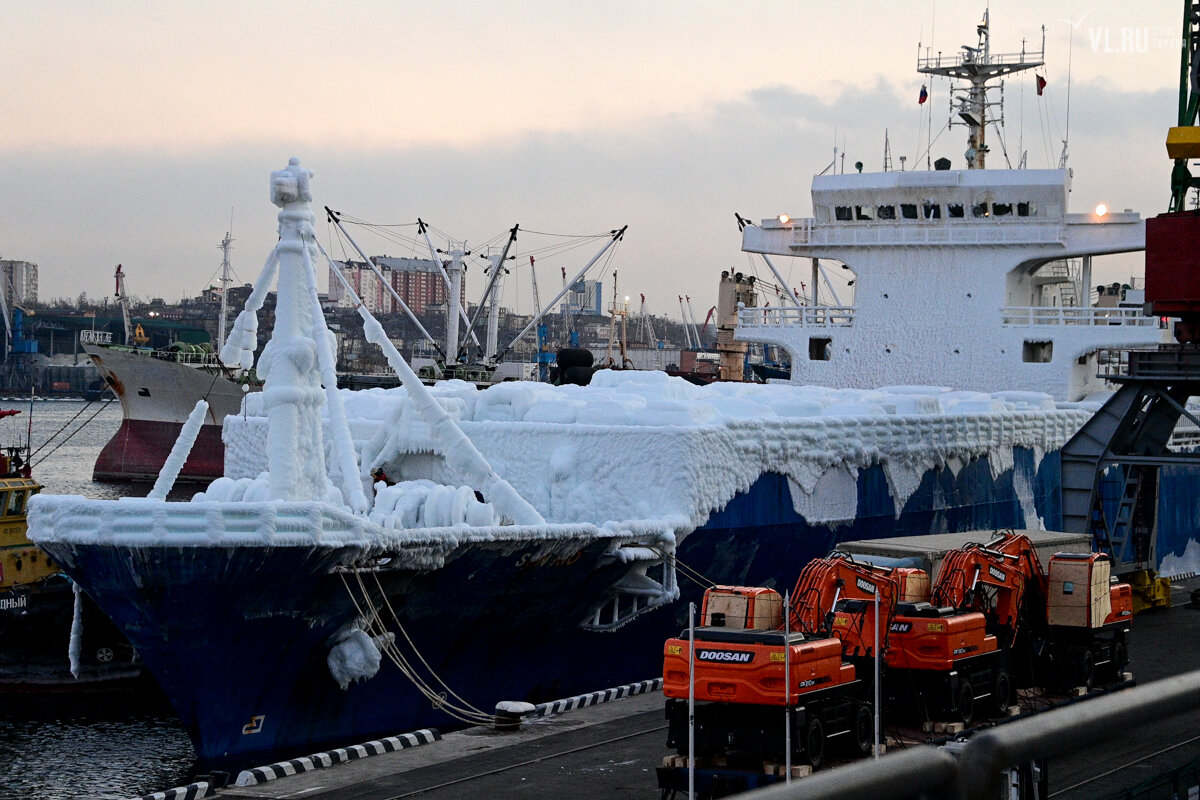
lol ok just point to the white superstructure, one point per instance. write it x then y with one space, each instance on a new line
951 269
961 276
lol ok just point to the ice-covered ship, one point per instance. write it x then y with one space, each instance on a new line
362 568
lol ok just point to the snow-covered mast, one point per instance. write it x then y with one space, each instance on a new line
977 66
292 394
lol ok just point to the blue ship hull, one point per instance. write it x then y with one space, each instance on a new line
238 637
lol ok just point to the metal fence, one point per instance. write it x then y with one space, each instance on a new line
1178 784
978 773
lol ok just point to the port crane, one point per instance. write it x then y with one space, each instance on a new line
1127 442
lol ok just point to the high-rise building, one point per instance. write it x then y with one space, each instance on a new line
418 281
584 297
20 283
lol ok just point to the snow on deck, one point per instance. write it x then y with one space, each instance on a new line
643 445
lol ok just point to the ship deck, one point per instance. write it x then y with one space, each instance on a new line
612 749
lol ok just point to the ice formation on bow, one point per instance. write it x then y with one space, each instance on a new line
642 445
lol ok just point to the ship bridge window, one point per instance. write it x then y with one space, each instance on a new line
1026 209
887 212
979 210
1002 209
842 213
820 348
908 210
863 213
932 211
954 210
16 504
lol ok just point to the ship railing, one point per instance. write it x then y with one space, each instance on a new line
95 337
960 58
1014 316
195 359
797 316
917 232
650 582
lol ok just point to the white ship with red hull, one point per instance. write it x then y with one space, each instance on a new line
157 390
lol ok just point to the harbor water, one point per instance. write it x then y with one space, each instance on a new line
100 746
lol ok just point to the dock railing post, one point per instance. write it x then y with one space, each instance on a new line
691 701
787 688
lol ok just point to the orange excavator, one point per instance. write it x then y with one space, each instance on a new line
992 605
1061 625
741 666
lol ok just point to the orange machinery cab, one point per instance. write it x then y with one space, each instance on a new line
926 637
748 607
739 653
1080 592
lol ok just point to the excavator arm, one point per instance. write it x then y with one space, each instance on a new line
991 579
824 582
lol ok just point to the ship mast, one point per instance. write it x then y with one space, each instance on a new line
225 245
978 66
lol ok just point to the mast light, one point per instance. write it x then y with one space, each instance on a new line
785 219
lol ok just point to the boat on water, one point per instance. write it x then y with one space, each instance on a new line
54 637
158 389
373 562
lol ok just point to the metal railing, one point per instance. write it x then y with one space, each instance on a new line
918 232
931 772
95 337
960 58
1016 316
798 316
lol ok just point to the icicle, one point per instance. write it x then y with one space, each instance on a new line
179 452
76 631
239 348
344 456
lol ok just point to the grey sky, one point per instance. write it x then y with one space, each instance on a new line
135 129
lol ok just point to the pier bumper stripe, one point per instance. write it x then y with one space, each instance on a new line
193 791
584 700
282 769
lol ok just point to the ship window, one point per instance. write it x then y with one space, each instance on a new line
954 210
887 212
1026 209
1002 209
819 348
863 213
908 210
16 504
979 210
932 211
842 213
1037 352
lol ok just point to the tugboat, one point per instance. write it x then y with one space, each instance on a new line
54 637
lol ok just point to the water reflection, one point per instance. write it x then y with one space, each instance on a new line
106 746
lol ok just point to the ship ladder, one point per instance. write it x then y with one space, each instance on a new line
1122 530
434 689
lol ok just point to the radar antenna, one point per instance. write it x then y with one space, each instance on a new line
978 66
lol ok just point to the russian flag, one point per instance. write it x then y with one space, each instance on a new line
925 95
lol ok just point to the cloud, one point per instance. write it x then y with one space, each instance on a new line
676 179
